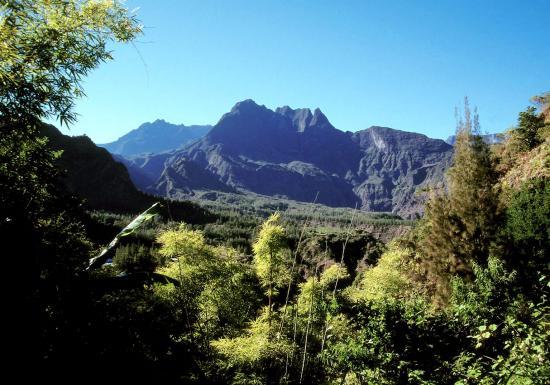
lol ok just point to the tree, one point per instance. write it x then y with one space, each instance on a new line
46 48
217 290
461 220
393 278
528 228
529 129
271 257
543 102
254 355
532 131
185 244
135 257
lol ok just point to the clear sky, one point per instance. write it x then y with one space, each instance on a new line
403 64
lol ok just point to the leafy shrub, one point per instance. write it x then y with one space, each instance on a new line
528 222
392 278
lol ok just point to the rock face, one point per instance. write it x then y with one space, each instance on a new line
156 137
298 154
394 165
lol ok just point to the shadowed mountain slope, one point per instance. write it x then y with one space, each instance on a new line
90 173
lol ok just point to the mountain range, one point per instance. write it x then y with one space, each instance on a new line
296 154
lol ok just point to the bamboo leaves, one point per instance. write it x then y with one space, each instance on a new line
271 257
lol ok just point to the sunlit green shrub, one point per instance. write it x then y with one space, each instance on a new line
393 277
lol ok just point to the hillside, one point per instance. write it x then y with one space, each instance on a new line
91 174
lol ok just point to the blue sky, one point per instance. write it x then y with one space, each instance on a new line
402 64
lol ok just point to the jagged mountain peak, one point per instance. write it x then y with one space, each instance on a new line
319 118
300 117
303 118
247 111
247 105
289 111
